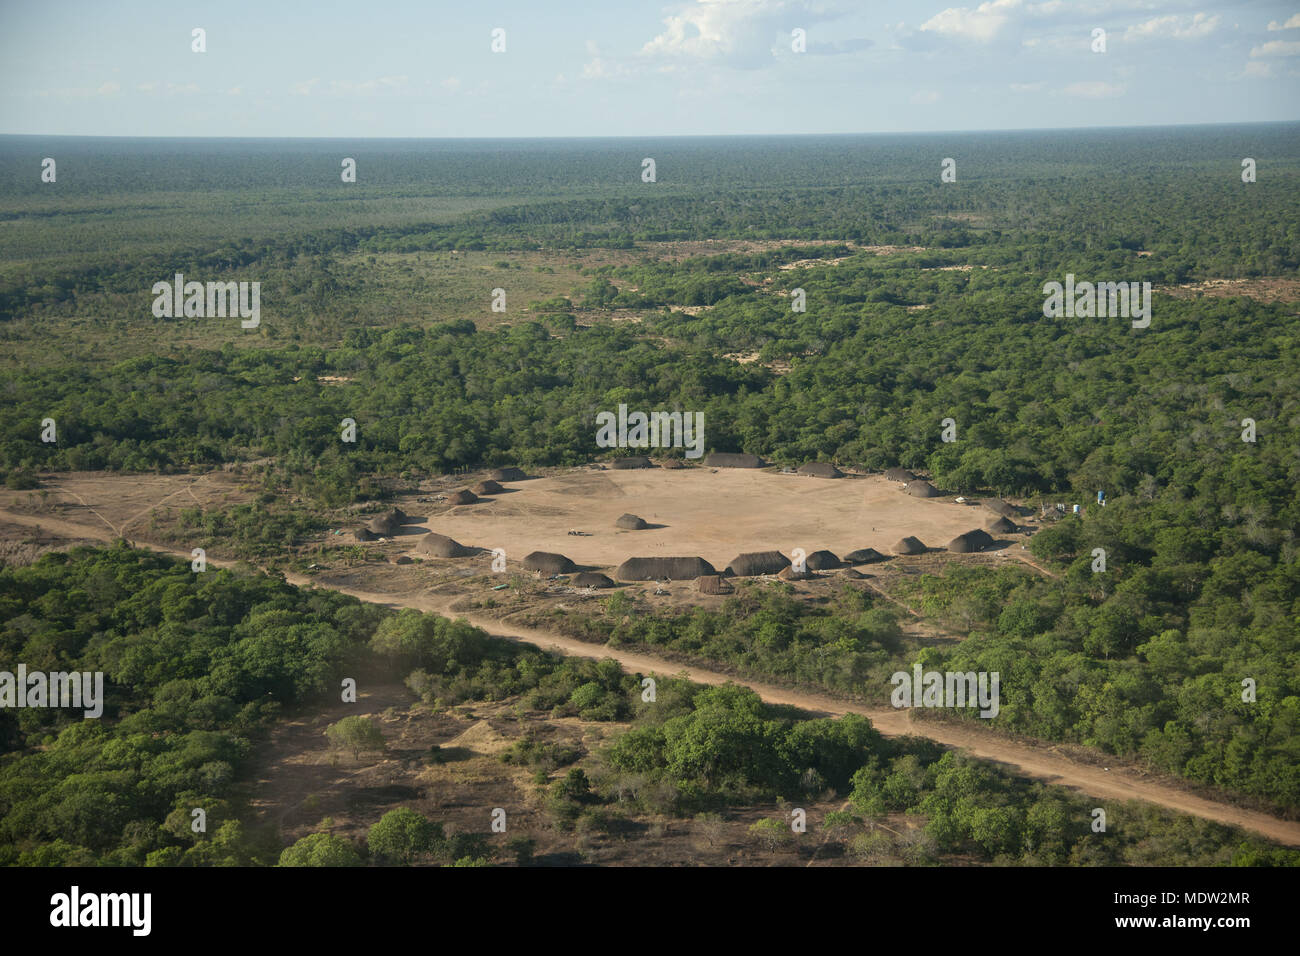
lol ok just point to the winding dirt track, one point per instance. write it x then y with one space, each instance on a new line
1118 783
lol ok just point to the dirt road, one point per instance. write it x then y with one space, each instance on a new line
1040 763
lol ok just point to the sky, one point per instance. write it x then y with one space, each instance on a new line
324 68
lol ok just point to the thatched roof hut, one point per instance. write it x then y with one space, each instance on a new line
899 474
462 497
488 487
400 559
753 563
909 545
1001 525
713 584
630 523
865 556
440 546
658 569
726 459
922 489
820 469
509 473
822 561
852 575
386 523
548 563
1000 507
591 579
672 464
790 574
365 534
637 461
971 541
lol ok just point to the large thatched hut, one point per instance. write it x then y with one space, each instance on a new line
899 474
909 545
435 545
921 489
462 497
969 542
865 556
753 563
822 561
637 461
548 563
630 523
659 569
1001 525
727 459
591 579
509 473
488 487
386 523
820 469
1000 507
672 464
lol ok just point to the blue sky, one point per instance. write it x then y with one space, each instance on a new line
632 68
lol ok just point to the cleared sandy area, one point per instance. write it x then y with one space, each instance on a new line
714 514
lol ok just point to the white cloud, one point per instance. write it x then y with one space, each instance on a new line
1277 48
1027 87
1094 89
109 88
1258 68
1176 27
746 34
304 87
1291 24
924 98
981 24
234 91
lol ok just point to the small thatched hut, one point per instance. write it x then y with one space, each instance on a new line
726 459
822 561
630 523
672 464
1001 525
400 559
365 534
510 473
462 497
909 545
864 556
489 487
820 469
658 569
853 575
753 563
548 563
638 461
899 474
440 546
713 584
922 489
971 541
790 574
590 579
1000 507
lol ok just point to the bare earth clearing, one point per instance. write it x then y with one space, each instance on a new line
1047 763
712 513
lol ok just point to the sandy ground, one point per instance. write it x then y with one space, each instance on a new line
715 514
